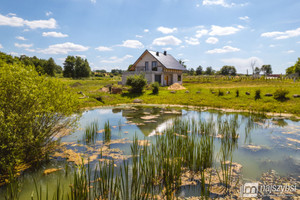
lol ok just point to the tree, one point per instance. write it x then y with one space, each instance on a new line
228 70
199 70
49 67
266 69
69 67
116 71
33 110
294 69
182 63
129 67
256 70
253 63
290 70
137 83
209 71
191 71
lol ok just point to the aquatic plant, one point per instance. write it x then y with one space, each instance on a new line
90 132
107 132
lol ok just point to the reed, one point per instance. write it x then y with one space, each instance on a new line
107 132
90 133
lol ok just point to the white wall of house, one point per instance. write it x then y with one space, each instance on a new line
140 66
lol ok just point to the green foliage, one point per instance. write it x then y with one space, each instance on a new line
76 67
280 94
220 93
209 71
266 69
42 66
237 93
155 88
33 110
294 69
228 70
137 83
257 94
256 70
199 70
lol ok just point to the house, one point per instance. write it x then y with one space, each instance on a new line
157 67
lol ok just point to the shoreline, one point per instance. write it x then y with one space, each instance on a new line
202 108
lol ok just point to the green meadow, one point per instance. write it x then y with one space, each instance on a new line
217 92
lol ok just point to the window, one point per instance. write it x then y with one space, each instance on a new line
146 66
179 78
154 66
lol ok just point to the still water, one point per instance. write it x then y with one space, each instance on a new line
263 143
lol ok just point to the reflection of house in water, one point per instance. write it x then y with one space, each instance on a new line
148 119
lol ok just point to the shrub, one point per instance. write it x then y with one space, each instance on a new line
33 110
280 94
257 94
137 83
237 93
155 88
220 93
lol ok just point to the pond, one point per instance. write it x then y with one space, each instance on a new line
257 148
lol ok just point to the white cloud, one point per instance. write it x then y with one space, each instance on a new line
167 49
272 45
20 38
200 33
166 30
167 40
192 41
146 30
225 49
93 1
13 53
134 44
282 35
64 48
115 59
227 30
212 40
290 51
221 3
23 45
54 34
217 2
30 50
242 64
197 5
103 48
14 21
138 36
50 23
48 13
245 18
1 46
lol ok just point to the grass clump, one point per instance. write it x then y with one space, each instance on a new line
107 132
90 133
257 94
155 88
280 94
237 93
220 93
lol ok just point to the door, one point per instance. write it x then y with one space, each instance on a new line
167 79
158 79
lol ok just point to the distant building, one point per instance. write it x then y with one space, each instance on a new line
157 67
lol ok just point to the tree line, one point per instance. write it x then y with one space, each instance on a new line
42 66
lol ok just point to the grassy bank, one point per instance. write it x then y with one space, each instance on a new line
202 91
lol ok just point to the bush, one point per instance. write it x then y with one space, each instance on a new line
257 94
33 111
280 94
155 88
220 93
237 93
137 83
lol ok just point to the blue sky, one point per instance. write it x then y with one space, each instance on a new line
114 33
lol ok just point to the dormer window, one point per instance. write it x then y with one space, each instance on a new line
154 66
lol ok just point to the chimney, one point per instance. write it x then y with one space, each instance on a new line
157 53
165 53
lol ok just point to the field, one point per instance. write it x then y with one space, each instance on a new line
202 91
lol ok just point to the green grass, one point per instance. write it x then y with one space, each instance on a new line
91 88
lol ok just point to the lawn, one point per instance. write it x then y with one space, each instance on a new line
202 91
